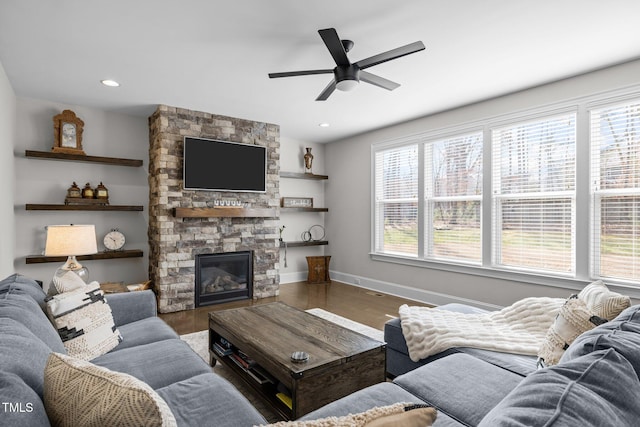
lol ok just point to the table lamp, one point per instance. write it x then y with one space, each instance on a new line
71 241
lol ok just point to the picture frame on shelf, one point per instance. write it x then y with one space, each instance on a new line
296 202
67 132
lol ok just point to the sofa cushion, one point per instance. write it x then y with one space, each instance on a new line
573 319
621 334
144 331
21 406
209 399
400 414
158 363
592 390
128 307
602 302
25 310
23 354
24 285
84 321
78 392
476 386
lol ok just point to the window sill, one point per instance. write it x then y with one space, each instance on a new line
574 285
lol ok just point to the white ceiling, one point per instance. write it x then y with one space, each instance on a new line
214 56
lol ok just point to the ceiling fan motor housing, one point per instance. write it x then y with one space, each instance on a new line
347 78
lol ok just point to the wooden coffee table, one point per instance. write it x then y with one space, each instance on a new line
261 340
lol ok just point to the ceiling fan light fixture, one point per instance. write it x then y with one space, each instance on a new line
347 78
347 85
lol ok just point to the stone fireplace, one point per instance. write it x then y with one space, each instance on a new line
174 240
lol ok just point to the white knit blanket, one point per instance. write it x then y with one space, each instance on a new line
519 328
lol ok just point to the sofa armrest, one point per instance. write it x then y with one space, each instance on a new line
129 307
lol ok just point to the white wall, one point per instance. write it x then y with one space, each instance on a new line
348 195
46 181
291 160
7 135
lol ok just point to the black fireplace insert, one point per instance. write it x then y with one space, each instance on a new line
223 277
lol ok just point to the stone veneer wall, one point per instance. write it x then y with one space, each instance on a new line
174 242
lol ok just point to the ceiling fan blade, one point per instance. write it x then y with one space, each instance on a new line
299 73
391 54
327 91
336 49
378 81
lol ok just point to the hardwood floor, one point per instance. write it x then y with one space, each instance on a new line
362 305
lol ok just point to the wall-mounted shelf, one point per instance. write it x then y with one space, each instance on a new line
129 253
301 244
299 175
80 158
225 212
54 207
305 209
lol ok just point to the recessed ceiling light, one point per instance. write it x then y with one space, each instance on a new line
323 125
110 83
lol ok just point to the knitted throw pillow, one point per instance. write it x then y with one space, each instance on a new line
79 393
398 414
69 281
84 321
602 302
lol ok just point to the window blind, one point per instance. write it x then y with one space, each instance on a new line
533 173
615 191
453 198
396 201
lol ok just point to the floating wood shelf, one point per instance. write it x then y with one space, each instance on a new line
129 253
225 212
81 158
301 244
53 207
295 209
299 175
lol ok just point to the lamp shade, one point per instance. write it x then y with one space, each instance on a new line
70 240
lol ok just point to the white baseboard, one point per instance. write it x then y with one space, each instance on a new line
407 292
298 276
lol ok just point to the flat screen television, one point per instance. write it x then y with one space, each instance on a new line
209 164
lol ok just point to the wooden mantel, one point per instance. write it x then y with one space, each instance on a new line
225 212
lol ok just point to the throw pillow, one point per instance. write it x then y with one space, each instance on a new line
79 393
69 281
573 319
84 321
602 302
401 414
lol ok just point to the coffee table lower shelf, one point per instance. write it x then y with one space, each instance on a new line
267 391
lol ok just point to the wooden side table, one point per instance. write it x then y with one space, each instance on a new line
318 269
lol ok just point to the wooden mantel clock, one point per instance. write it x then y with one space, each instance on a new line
67 128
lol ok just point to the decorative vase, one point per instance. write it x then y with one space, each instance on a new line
308 161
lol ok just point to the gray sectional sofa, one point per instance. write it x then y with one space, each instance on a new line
150 351
595 384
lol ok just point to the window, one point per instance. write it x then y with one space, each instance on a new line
550 196
396 201
615 192
453 198
534 195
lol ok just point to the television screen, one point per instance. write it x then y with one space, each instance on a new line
224 166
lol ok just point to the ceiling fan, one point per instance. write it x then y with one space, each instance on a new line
347 75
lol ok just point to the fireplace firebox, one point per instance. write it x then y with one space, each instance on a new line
223 277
